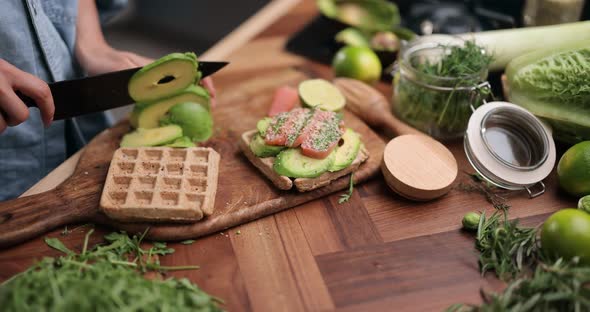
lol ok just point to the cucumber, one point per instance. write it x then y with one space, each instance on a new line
263 124
321 94
347 152
293 164
261 149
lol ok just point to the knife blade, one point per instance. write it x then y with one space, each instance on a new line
99 93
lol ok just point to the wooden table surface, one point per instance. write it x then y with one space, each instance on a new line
377 252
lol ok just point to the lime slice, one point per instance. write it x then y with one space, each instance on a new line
319 93
584 203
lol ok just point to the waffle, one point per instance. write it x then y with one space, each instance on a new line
161 184
265 165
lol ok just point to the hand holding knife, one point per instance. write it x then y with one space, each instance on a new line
99 93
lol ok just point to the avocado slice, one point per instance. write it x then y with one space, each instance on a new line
183 141
194 119
261 149
347 152
293 164
147 115
152 137
164 77
263 124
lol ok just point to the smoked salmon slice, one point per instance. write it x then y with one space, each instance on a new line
284 128
317 132
284 100
323 135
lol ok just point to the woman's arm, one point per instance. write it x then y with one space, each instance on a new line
96 56
92 51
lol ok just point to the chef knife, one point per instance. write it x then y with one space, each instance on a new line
99 93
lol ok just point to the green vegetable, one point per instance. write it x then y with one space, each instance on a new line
368 15
559 286
292 163
471 221
504 247
152 137
507 44
446 112
107 277
164 77
346 152
353 37
346 196
553 84
584 203
194 119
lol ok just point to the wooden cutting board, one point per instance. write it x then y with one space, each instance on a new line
243 193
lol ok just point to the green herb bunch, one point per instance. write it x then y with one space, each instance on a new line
439 112
105 278
505 248
536 282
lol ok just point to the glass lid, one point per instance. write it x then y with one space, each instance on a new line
509 146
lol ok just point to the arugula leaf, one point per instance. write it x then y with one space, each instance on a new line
345 197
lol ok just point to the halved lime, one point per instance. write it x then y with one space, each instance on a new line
584 203
319 93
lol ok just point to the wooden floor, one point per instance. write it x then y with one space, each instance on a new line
378 252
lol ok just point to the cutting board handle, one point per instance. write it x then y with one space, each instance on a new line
28 217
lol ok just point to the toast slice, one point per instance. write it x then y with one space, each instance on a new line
161 184
265 165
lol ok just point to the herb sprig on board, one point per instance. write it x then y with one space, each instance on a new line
346 196
505 248
107 277
447 111
535 282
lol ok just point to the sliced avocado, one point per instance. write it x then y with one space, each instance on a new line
293 164
147 115
183 141
354 37
347 152
263 124
152 137
194 119
164 77
261 149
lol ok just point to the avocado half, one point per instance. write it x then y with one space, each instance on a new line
148 115
164 77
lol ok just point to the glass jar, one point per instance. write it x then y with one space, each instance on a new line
549 12
439 106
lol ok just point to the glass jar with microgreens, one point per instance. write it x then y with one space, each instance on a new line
438 81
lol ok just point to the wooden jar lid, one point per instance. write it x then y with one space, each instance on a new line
418 167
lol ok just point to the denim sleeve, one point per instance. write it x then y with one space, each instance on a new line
107 9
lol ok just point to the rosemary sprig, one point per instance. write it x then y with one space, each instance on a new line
491 193
506 248
106 277
559 286
346 196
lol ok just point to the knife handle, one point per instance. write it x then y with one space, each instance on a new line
27 100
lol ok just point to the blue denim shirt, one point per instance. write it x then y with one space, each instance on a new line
38 37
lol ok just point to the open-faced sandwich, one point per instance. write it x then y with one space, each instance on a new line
307 147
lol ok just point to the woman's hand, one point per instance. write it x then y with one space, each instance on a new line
104 59
12 110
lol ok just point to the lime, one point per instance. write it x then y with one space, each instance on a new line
566 234
573 170
359 63
584 203
321 94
